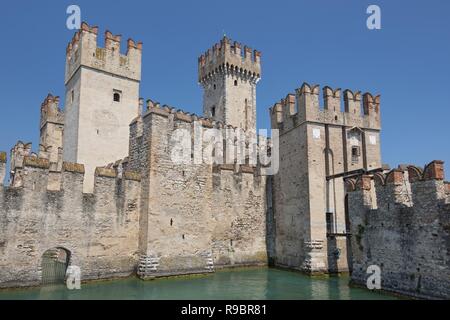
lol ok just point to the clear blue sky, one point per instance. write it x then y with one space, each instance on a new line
323 42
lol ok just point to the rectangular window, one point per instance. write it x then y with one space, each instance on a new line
329 221
356 153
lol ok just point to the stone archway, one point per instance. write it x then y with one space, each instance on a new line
55 262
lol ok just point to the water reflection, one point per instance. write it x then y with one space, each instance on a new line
227 285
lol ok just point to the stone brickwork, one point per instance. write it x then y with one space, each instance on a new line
211 215
400 222
51 129
102 98
99 230
318 146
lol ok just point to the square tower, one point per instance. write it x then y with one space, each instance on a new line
51 129
319 148
102 98
229 79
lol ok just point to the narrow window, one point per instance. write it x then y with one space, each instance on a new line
246 114
72 96
214 87
235 83
355 154
329 222
213 111
116 97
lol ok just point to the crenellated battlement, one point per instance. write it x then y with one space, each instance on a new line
18 153
406 185
400 222
31 171
227 57
168 119
83 50
51 111
181 115
304 106
47 208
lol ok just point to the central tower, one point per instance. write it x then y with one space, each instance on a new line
229 77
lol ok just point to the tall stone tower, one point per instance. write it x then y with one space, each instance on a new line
229 79
51 129
319 148
102 98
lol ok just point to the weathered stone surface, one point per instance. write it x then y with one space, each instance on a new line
105 172
132 175
35 162
405 230
51 129
73 167
316 145
99 230
211 218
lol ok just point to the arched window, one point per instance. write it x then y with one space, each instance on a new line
235 83
116 97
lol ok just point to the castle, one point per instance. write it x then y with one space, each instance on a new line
104 194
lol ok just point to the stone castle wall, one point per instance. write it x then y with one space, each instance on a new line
167 219
100 230
400 222
308 191
194 216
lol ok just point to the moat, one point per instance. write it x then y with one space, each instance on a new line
251 284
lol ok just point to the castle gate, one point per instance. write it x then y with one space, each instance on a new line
54 265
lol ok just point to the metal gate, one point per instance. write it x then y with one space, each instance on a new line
54 266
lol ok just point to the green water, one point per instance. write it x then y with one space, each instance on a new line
245 284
